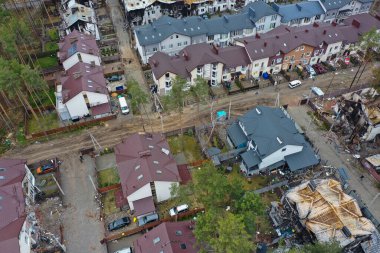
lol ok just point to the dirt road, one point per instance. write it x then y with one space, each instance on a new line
113 131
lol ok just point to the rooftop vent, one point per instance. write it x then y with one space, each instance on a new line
165 151
312 185
156 240
258 111
183 246
178 232
324 32
346 231
137 167
151 147
77 75
2 177
306 30
277 37
140 176
144 153
159 171
149 136
299 7
155 162
315 25
265 44
279 140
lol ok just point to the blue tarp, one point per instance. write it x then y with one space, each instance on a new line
221 114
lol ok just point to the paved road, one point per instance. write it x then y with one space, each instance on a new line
133 70
82 228
365 187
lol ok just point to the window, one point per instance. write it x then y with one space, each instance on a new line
302 55
308 54
211 37
79 57
306 20
185 43
279 60
330 50
262 64
273 25
292 58
286 58
284 149
273 18
167 75
302 48
260 28
153 12
155 49
214 66
168 84
336 47
171 37
156 240
261 20
256 65
179 44
199 70
171 46
177 36
317 17
316 52
297 49
213 82
163 47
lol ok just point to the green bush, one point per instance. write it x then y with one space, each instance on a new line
51 47
53 34
238 83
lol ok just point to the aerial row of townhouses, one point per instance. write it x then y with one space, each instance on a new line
170 35
282 48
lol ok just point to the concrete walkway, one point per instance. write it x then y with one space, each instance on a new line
365 187
271 187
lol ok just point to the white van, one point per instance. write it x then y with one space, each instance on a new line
123 105
126 250
178 209
294 84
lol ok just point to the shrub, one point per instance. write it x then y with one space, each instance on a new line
53 34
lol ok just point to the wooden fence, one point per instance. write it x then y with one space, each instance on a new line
178 131
71 127
151 225
109 188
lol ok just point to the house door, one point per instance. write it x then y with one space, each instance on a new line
290 67
261 73
319 60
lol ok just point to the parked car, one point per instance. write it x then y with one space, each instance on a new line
119 223
125 250
115 78
44 169
147 219
319 68
328 66
310 70
294 84
178 209
123 105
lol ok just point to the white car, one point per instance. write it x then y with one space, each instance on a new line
294 84
178 209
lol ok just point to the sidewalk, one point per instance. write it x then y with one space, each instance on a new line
365 187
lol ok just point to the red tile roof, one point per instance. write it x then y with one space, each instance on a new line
12 203
141 159
197 55
83 77
77 42
169 237
184 173
101 109
144 206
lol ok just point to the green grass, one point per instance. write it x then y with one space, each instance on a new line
108 177
43 98
51 46
191 149
250 184
53 34
47 122
109 202
47 62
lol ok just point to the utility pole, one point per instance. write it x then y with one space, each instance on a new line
95 142
353 80
92 182
229 110
58 184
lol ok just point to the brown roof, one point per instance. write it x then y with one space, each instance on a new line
197 55
169 237
83 77
101 109
77 42
144 206
141 159
12 203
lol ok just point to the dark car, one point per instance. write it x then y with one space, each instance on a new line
119 223
147 219
319 68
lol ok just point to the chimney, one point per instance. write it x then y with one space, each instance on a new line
299 7
306 30
185 55
355 23
215 49
265 44
324 32
77 75
257 36
287 29
333 23
315 25
277 37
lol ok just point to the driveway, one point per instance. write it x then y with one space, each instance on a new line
365 187
133 69
82 228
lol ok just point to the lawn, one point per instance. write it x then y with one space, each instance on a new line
109 203
47 122
191 149
51 46
252 183
108 177
47 62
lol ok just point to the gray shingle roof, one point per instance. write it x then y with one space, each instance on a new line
299 10
166 26
236 134
334 4
270 129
